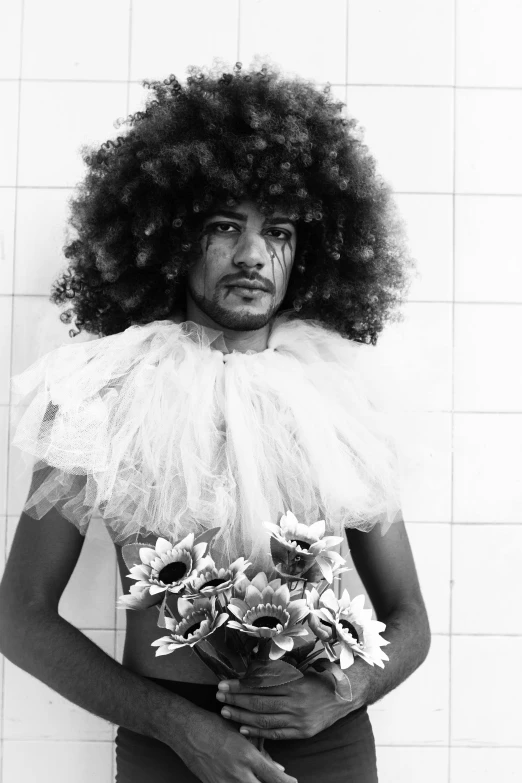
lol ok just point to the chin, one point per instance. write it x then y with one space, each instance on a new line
241 321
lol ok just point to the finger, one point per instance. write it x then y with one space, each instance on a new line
269 772
273 734
260 720
254 703
236 686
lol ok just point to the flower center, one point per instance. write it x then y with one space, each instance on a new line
172 572
214 582
349 627
302 544
192 629
266 622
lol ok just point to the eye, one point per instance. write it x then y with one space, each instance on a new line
221 228
282 234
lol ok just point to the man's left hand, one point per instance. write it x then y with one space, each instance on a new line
300 709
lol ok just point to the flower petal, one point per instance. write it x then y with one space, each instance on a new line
275 652
260 581
346 657
163 546
156 589
285 642
317 529
147 554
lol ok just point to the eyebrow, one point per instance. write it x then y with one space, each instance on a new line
241 216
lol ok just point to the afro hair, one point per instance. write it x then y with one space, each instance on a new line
221 138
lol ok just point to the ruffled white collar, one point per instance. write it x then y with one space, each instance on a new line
163 431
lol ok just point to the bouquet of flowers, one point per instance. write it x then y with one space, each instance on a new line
252 629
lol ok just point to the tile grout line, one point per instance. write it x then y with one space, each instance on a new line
238 31
452 429
114 727
333 84
20 61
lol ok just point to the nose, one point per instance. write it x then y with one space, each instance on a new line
251 249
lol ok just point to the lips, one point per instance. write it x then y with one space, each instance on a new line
248 284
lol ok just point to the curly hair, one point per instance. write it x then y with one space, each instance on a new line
223 138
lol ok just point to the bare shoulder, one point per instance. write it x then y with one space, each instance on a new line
43 555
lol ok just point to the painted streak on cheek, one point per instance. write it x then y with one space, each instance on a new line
214 263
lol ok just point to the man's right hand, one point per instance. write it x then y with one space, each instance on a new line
216 752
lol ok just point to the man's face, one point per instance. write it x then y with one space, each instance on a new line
240 243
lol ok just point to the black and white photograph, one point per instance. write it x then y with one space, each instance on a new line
260 391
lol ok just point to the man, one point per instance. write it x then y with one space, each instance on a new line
235 252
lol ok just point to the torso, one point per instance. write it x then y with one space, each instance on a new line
142 629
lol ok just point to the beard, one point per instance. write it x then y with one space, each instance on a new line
238 318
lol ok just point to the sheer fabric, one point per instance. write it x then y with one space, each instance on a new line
161 431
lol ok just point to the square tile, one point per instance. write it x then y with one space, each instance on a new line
429 228
120 614
484 677
3 554
412 765
431 547
11 524
37 330
423 442
488 254
414 41
76 114
296 37
39 251
64 40
57 762
19 472
4 451
7 229
6 309
409 370
488 120
488 371
482 765
8 132
409 131
488 54
33 711
486 468
10 39
189 34
486 565
417 712
120 644
88 599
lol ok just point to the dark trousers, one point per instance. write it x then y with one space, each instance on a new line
341 753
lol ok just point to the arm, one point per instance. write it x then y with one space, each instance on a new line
387 569
35 638
305 707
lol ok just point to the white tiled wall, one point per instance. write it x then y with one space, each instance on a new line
437 88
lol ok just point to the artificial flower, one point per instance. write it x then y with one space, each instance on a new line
351 627
268 612
301 551
213 581
198 620
167 567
